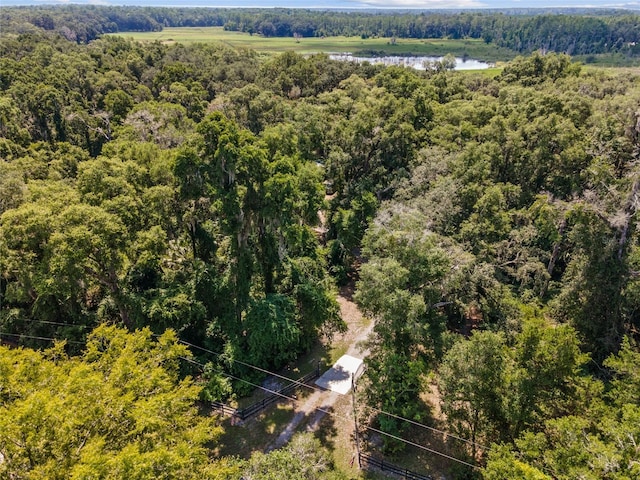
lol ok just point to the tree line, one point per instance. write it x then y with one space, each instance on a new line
575 32
490 224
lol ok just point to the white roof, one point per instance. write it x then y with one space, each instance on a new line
338 378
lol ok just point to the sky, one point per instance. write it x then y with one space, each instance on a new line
355 4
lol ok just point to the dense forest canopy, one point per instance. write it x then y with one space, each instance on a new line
568 31
152 194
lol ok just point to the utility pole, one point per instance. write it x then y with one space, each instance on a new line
355 416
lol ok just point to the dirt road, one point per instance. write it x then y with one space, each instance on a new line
315 406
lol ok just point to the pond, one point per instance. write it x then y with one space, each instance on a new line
413 62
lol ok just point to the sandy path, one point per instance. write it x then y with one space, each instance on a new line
315 406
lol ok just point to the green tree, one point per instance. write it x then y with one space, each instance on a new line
591 294
400 286
492 391
304 458
117 411
626 366
503 465
257 200
273 335
473 383
92 252
118 103
546 378
538 67
12 187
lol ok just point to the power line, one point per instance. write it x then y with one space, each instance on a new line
319 389
245 381
422 447
293 399
57 323
40 338
240 362
429 428
295 382
335 415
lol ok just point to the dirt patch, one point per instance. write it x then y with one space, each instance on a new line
358 327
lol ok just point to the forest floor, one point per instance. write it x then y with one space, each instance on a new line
329 415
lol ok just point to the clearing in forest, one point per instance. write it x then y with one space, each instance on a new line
472 48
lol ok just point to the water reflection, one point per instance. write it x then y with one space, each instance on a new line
414 62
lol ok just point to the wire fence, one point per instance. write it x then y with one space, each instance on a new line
244 413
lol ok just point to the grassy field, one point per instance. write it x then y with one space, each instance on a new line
475 49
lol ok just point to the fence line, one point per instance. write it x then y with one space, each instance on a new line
367 460
244 413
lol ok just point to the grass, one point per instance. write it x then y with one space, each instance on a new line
471 48
335 433
607 60
490 72
308 362
256 433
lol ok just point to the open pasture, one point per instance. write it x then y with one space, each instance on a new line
471 48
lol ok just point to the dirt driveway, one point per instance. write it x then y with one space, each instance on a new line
319 402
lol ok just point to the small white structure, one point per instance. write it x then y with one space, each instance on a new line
338 378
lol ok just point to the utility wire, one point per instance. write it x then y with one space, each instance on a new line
423 447
243 380
293 399
57 323
240 362
301 384
429 428
335 415
40 338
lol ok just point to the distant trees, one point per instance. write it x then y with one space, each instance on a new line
574 32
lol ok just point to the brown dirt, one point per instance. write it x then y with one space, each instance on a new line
358 327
